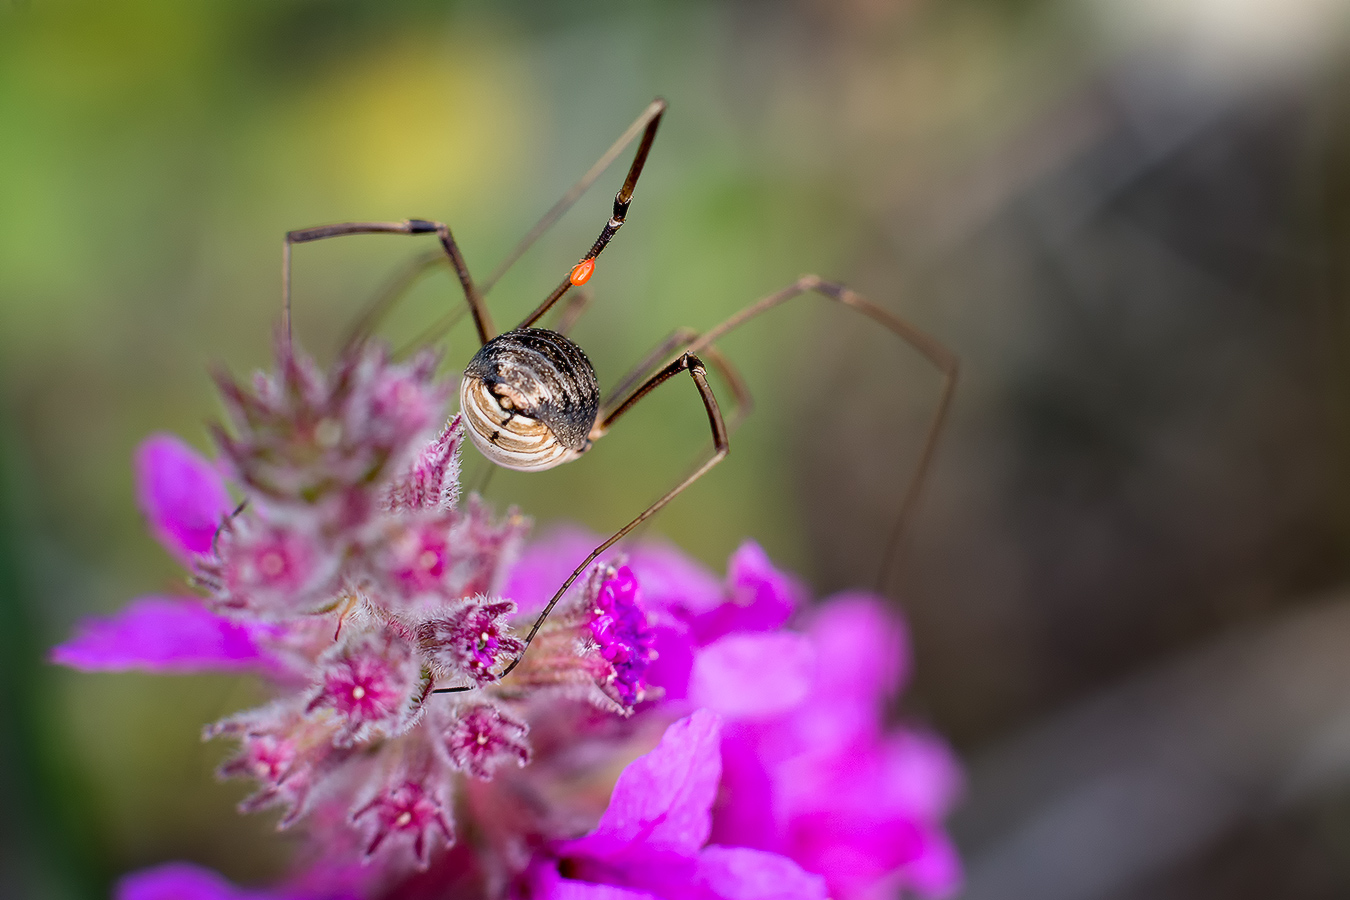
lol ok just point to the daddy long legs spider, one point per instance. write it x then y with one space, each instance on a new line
529 396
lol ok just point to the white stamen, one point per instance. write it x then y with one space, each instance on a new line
403 819
358 692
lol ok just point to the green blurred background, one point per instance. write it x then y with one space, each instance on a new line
1127 216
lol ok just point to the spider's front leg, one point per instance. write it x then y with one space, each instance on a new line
676 342
482 322
937 354
687 362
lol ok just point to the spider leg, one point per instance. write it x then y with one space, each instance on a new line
402 282
676 341
394 290
686 362
941 358
433 332
572 310
622 200
481 320
556 212
420 266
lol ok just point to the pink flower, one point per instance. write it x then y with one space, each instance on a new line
354 580
651 841
470 638
478 737
408 810
622 637
181 881
810 771
180 494
162 634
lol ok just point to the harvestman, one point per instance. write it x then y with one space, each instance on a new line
530 397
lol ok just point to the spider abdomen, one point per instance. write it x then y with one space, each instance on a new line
530 398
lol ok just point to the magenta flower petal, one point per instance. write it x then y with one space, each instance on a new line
160 634
753 675
549 885
674 584
182 881
858 816
544 566
921 774
739 873
866 644
936 873
181 495
762 597
674 661
662 800
745 815
863 654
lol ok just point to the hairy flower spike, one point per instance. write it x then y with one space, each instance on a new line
433 481
303 435
415 558
483 547
276 569
482 736
281 749
468 640
372 683
408 810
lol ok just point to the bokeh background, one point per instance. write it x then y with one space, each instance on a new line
1127 582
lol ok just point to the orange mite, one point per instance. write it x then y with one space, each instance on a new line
581 272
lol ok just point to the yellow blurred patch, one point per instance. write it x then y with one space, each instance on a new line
415 128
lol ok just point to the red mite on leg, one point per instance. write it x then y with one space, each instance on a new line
581 272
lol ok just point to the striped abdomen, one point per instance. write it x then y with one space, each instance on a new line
530 398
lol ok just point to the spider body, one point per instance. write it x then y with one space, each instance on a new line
530 399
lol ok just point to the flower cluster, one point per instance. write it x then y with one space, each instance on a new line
353 579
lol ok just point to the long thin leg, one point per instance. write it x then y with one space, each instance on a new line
942 359
433 332
687 362
571 311
556 212
365 325
481 320
396 288
621 201
677 341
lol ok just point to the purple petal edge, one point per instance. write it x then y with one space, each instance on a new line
663 799
181 494
160 634
183 881
753 675
760 598
739 873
